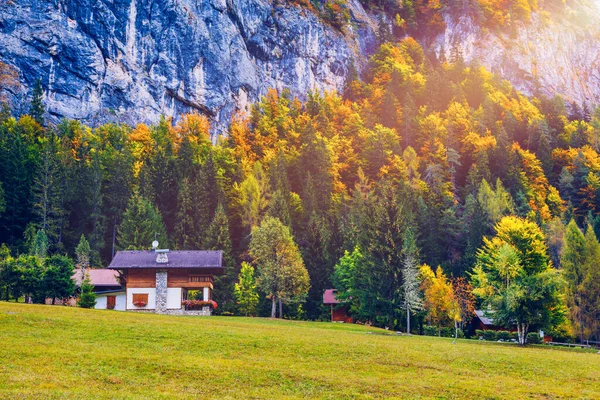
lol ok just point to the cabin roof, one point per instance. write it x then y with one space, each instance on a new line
486 320
329 297
98 277
209 259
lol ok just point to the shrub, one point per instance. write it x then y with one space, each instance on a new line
533 338
479 333
503 335
489 335
430 331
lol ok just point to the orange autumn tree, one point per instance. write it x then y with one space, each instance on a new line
440 301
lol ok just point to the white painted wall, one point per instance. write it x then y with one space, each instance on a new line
100 302
120 302
173 298
151 298
205 294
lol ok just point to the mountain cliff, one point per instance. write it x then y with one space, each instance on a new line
131 61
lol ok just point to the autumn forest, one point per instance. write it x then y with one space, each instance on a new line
427 187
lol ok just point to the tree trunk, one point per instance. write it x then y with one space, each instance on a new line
273 307
408 320
280 309
522 329
114 236
455 330
439 331
53 300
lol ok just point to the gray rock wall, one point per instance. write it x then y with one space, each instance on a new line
161 291
131 61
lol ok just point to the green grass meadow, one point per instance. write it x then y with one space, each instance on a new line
60 352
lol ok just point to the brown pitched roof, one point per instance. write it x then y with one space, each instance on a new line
98 277
209 259
329 297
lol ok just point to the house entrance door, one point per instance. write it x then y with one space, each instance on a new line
111 301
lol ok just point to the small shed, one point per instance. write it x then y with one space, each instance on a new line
483 321
110 295
339 311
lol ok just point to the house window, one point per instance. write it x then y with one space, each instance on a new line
140 299
111 302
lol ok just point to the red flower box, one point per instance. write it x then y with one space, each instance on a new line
198 304
140 303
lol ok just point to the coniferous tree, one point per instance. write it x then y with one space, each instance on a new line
37 108
217 237
142 224
39 246
185 227
47 188
87 299
82 251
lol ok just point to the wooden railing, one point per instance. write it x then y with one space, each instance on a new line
200 278
583 346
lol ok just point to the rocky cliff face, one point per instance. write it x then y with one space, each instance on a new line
133 60
552 54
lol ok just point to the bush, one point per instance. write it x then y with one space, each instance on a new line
503 335
479 334
489 335
447 332
444 332
533 338
514 336
430 331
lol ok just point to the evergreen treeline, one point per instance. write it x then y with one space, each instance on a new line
415 163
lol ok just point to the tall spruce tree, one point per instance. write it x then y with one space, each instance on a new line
185 226
37 109
142 224
217 237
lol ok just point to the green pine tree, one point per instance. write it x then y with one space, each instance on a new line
83 253
142 224
185 232
217 237
37 109
88 297
39 246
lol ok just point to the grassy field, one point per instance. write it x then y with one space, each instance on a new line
60 352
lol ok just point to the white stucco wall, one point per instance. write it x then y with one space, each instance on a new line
174 298
100 302
120 301
151 298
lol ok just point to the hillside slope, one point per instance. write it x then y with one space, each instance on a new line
132 61
59 352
